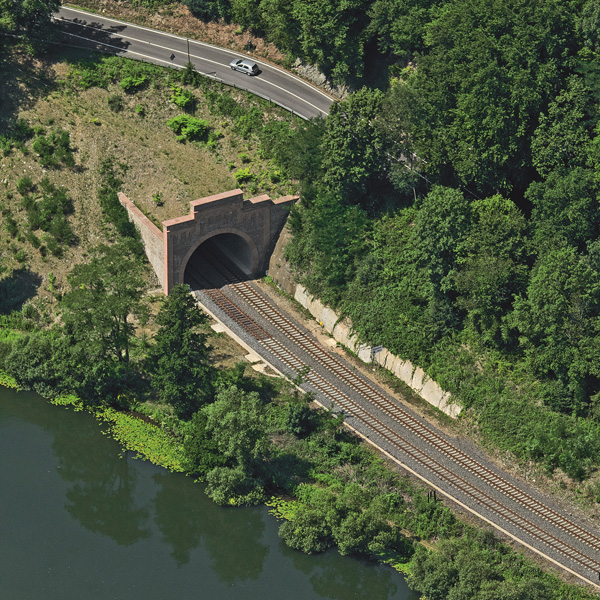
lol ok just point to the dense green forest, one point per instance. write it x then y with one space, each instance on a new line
454 215
453 212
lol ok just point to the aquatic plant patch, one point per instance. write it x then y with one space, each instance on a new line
145 439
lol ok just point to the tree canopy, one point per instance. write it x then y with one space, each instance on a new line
26 17
178 360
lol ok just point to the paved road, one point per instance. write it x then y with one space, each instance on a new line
124 39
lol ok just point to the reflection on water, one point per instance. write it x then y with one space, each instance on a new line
329 581
106 504
81 520
184 528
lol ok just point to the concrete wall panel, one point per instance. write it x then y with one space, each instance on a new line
342 332
152 237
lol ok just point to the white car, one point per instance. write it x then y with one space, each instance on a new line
244 66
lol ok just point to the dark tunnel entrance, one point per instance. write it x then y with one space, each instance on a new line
222 259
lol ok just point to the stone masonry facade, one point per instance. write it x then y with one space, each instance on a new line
258 221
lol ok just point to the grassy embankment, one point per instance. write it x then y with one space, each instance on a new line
118 110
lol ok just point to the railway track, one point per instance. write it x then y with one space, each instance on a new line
578 547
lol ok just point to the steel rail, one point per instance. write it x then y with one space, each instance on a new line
285 326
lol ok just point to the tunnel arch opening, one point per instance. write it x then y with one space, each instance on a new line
221 259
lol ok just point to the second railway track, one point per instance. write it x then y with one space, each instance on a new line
576 545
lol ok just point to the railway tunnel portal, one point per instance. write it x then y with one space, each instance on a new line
223 227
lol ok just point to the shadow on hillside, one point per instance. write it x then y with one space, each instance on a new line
27 78
17 289
24 79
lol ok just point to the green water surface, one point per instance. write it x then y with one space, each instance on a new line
79 520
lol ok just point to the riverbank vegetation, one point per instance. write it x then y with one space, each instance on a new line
248 438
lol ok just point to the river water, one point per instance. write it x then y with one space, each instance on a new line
80 520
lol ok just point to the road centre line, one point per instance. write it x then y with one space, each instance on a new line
184 52
192 41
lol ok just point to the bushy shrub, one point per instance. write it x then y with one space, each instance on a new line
52 245
54 149
16 137
10 225
251 121
234 486
25 185
182 97
61 230
151 5
209 10
223 104
130 74
307 532
87 74
188 128
133 83
31 363
244 176
32 239
300 419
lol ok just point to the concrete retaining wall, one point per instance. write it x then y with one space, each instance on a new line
341 331
152 237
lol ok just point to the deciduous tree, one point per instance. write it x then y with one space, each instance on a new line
106 296
559 321
27 17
